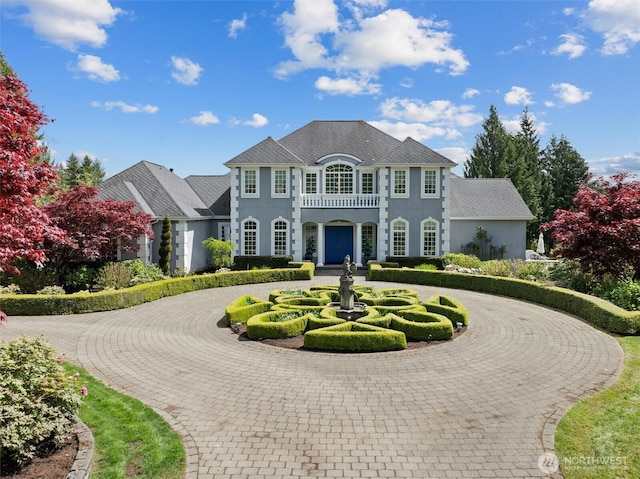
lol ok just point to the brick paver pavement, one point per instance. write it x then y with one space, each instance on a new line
484 405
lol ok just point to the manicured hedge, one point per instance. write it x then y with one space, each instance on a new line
354 337
449 307
422 326
40 304
595 311
240 310
270 326
242 263
413 261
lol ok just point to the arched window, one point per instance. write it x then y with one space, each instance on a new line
338 179
249 237
280 237
429 238
399 237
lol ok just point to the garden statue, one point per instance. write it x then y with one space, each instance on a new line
347 292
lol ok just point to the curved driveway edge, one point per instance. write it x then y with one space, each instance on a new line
484 405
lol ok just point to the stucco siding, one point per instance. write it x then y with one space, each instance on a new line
508 233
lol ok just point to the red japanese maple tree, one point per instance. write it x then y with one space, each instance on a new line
94 228
603 233
24 226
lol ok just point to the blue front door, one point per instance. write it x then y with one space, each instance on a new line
338 244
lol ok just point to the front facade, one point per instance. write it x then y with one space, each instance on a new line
327 190
340 188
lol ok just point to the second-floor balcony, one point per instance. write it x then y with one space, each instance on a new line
340 201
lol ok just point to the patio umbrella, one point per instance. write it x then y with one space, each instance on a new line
540 248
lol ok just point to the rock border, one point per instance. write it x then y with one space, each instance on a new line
84 457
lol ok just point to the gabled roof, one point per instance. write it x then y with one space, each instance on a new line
215 191
157 190
487 198
411 152
269 152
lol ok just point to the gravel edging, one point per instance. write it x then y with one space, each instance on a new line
84 457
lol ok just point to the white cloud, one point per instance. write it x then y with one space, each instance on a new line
417 131
608 166
125 107
454 153
96 69
204 118
69 23
573 45
618 21
359 47
347 86
185 71
470 93
518 96
257 121
439 112
236 25
570 94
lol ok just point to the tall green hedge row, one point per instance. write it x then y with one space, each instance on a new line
595 311
40 304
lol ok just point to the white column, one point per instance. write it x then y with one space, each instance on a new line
144 250
358 258
383 215
320 245
181 245
234 224
297 245
446 212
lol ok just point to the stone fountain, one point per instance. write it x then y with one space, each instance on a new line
348 308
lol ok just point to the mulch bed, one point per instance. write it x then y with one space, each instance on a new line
49 463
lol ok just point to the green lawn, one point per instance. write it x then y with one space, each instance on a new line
131 440
600 436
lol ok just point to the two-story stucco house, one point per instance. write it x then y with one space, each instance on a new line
335 187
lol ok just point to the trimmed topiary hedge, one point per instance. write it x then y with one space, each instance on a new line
422 326
240 310
271 325
449 307
354 337
413 261
242 263
41 304
596 311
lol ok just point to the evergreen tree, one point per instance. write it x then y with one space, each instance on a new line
529 182
565 171
165 247
5 68
87 173
492 152
91 171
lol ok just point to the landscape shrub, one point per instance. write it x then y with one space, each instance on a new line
240 310
497 267
353 336
242 263
426 266
37 401
414 261
449 307
84 302
421 326
113 276
32 278
623 293
530 270
79 277
278 324
597 311
52 290
463 260
143 273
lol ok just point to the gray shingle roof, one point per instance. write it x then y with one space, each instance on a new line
268 151
164 193
486 198
411 152
214 191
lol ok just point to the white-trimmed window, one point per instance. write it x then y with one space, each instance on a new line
280 237
311 183
338 179
279 182
250 183
250 236
400 186
367 186
430 183
429 230
399 237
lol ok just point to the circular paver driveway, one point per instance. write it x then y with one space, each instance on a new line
484 405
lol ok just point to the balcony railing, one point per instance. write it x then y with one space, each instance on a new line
339 201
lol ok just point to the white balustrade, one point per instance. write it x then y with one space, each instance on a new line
339 201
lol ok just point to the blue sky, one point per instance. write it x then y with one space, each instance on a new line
191 84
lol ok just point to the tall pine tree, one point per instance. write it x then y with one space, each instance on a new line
492 152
